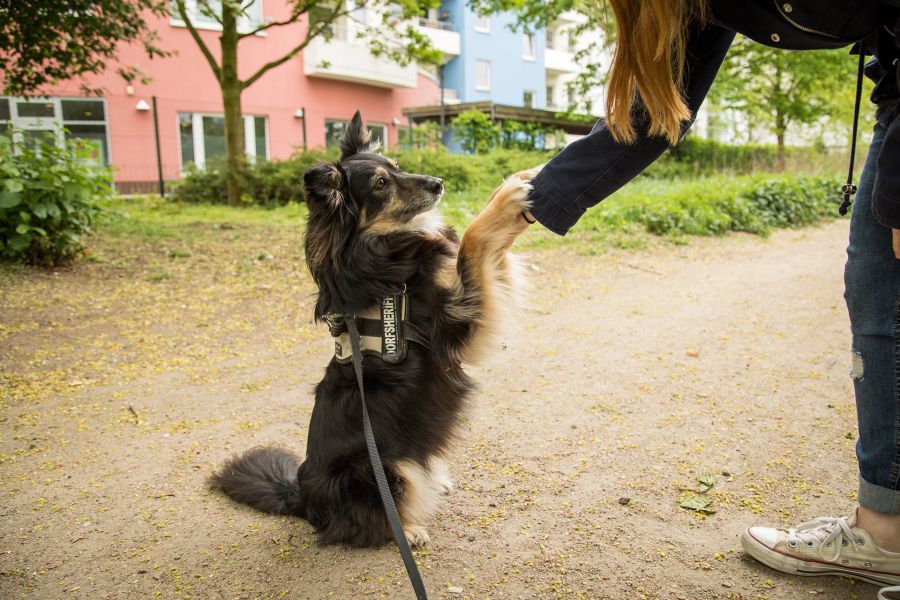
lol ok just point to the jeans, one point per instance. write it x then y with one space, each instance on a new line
872 292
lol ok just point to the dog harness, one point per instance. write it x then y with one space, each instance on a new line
384 330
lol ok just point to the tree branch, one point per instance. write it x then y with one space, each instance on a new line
298 12
311 33
182 13
209 12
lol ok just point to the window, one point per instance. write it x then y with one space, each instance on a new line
379 133
550 95
483 75
186 138
551 38
528 46
572 40
528 99
85 120
36 108
54 120
206 14
213 137
571 97
202 138
483 23
359 12
334 131
260 138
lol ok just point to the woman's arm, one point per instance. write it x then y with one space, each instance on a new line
590 169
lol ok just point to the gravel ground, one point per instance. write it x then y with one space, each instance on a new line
635 373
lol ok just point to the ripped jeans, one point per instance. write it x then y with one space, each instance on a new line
872 292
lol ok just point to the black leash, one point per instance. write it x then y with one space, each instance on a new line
849 188
375 458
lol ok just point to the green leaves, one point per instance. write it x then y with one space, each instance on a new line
475 131
42 32
45 202
700 502
782 89
707 482
9 199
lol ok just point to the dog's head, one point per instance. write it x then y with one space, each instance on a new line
368 188
363 197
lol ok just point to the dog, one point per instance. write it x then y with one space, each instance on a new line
372 234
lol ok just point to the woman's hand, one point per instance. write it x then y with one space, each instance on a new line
528 175
895 242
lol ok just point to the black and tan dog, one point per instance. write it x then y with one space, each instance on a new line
372 233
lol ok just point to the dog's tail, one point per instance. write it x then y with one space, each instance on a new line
264 478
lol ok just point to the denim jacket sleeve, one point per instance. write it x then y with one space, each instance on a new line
593 167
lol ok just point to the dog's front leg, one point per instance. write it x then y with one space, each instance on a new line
485 279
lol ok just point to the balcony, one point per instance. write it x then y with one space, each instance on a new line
442 36
571 17
347 59
559 62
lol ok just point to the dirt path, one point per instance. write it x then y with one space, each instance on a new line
636 373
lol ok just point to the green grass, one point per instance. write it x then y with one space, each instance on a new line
643 212
152 217
671 210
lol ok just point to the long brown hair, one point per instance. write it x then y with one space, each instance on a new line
649 62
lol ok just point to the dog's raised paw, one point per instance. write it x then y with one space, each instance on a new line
531 173
512 196
417 536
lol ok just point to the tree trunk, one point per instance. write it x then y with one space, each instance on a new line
780 120
780 131
235 153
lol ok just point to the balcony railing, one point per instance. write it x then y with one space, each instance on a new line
436 24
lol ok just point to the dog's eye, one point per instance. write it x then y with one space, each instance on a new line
379 185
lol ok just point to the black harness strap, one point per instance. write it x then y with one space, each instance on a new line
375 458
848 188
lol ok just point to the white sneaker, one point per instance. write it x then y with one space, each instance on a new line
824 546
889 593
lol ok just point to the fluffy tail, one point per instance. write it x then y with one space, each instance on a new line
264 478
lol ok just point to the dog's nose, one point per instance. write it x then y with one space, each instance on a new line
436 186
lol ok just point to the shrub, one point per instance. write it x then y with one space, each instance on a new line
695 156
46 200
715 205
425 136
266 183
476 132
528 136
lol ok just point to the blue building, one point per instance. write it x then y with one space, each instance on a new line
515 75
494 63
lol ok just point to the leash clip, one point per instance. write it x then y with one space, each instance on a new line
848 189
337 324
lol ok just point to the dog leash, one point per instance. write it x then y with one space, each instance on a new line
384 490
849 189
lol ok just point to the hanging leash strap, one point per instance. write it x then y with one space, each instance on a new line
375 458
849 188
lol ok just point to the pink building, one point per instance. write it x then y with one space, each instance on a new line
304 96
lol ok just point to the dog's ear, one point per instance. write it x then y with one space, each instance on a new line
324 184
356 139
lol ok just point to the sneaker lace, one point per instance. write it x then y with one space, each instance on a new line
829 531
